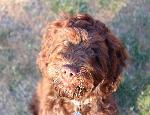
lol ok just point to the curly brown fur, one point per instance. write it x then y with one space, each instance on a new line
81 62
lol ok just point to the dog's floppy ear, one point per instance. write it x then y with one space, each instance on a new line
47 41
48 38
116 61
42 58
117 55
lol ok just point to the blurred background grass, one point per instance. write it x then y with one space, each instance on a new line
21 23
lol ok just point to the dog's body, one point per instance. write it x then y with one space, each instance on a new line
52 104
81 62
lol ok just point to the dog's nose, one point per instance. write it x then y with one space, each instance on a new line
69 70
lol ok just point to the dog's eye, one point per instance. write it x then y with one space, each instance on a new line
96 55
97 59
95 50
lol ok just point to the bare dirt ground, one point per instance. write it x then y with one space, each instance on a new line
21 23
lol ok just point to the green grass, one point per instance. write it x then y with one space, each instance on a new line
133 94
83 6
112 5
135 79
2 66
105 3
144 101
17 77
70 6
4 34
6 57
129 93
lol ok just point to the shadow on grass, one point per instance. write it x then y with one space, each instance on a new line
132 26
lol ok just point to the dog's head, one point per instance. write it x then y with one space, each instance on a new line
80 55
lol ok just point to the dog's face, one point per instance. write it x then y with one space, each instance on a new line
78 60
75 63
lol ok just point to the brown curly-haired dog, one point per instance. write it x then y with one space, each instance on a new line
81 62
